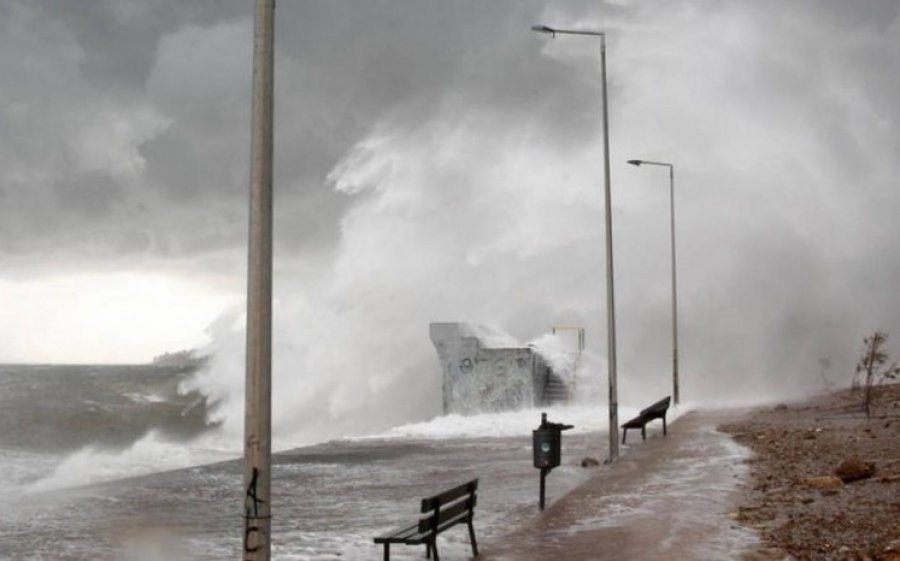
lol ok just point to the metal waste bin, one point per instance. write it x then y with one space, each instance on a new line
547 449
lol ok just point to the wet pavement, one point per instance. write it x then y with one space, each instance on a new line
666 498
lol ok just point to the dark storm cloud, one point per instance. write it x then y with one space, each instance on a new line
73 69
152 100
125 139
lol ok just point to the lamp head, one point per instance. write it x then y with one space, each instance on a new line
544 29
636 162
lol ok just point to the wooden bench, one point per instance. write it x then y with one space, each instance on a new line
655 411
440 512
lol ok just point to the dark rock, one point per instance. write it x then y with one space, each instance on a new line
854 469
589 462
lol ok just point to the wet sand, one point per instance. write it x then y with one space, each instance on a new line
666 498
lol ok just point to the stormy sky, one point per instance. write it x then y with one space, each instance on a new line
437 161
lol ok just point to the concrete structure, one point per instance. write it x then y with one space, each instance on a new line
486 370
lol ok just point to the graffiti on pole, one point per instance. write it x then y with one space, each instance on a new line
252 503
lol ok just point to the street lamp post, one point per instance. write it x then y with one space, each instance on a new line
674 291
258 398
610 298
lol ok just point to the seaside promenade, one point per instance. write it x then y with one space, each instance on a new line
666 498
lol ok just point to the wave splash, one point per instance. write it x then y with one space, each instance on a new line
444 223
451 219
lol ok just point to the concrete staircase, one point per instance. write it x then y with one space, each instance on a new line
555 390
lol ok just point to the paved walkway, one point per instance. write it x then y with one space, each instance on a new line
665 499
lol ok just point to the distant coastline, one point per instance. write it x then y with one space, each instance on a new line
188 358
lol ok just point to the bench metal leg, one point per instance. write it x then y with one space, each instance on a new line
387 551
624 434
472 537
664 426
644 432
434 549
427 550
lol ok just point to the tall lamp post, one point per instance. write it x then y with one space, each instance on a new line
674 291
610 298
258 401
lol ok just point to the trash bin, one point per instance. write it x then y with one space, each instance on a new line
547 449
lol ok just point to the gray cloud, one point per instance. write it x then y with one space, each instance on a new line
125 141
152 102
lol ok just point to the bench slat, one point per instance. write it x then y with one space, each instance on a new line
431 503
446 514
658 408
398 535
453 522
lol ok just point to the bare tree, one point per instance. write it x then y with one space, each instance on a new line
873 362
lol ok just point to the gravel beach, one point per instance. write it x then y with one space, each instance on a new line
824 477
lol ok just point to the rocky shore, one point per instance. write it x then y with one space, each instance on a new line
825 478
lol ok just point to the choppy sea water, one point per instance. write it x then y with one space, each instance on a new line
81 414
114 463
329 501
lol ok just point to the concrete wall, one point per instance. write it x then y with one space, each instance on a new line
479 377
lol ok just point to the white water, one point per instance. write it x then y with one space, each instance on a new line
152 453
333 498
426 237
513 423
33 473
